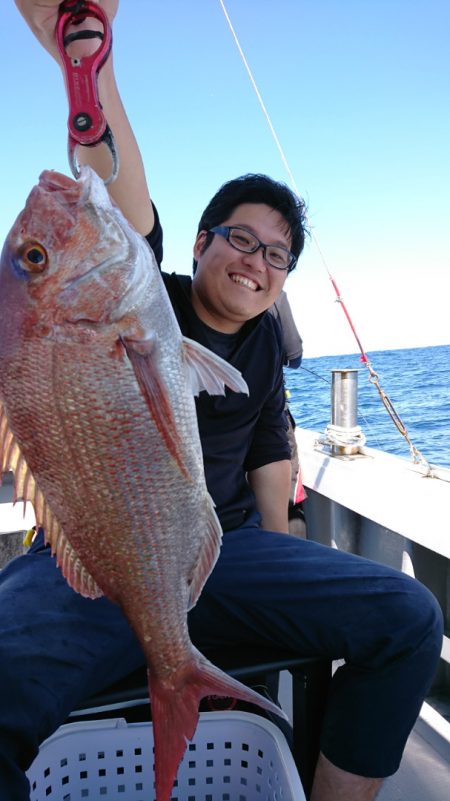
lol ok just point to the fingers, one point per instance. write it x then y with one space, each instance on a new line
42 16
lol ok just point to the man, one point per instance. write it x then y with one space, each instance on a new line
266 587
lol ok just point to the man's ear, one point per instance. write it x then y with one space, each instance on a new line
199 244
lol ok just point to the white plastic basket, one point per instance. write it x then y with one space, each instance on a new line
234 756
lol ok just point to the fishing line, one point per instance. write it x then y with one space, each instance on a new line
260 100
373 377
317 375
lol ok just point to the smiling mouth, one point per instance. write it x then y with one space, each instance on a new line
243 281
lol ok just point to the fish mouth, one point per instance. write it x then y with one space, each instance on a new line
65 191
52 181
89 188
89 192
106 268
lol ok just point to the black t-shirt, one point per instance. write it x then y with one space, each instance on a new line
238 432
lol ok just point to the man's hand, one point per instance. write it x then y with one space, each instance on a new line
42 16
129 190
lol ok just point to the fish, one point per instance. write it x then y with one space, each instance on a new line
98 425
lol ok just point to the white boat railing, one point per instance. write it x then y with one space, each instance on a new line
384 508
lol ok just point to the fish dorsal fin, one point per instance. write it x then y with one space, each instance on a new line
208 371
26 489
208 555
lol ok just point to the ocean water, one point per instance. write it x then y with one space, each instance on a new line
417 381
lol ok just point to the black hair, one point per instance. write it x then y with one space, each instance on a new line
256 188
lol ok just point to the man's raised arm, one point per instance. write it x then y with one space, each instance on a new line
129 190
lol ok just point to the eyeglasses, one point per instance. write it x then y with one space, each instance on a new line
239 238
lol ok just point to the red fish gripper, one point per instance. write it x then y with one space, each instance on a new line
87 123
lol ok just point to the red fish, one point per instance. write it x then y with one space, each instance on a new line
98 423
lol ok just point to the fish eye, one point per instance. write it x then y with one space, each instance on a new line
33 257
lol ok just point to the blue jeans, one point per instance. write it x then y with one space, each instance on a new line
267 588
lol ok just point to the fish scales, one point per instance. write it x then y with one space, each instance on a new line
105 476
97 390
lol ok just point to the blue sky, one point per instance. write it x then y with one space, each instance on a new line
358 92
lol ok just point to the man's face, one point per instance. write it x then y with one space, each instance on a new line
229 286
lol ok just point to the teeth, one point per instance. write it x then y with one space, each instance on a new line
239 279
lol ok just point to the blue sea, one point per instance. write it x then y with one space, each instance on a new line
416 380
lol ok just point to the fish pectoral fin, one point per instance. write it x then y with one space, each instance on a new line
26 489
209 372
141 356
208 555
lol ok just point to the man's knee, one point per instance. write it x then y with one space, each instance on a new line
424 613
432 623
416 624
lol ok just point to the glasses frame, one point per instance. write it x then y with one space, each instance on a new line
224 230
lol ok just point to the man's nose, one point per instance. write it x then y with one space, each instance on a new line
256 258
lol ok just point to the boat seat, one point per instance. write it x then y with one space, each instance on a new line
258 668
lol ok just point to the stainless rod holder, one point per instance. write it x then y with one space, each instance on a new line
344 434
344 398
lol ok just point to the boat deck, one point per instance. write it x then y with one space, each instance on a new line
424 774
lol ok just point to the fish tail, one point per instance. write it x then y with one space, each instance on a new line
175 714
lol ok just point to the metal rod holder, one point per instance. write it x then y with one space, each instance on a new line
343 433
344 398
